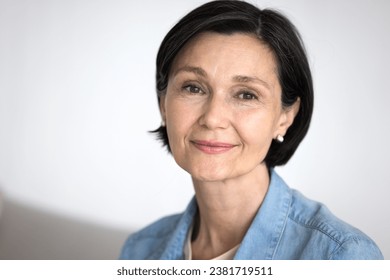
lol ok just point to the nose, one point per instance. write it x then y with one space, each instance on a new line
215 113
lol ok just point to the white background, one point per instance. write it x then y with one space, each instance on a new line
77 99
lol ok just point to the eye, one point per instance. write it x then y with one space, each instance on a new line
246 95
193 89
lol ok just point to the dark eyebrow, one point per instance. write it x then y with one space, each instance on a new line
239 78
247 79
197 70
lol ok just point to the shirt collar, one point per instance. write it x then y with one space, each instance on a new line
263 236
174 250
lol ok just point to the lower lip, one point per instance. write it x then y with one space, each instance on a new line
213 149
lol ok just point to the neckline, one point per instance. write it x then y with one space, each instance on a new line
228 255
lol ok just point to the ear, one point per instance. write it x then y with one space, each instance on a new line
287 118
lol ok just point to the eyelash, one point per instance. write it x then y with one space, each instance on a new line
247 93
190 87
240 95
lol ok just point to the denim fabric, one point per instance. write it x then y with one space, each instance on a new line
287 226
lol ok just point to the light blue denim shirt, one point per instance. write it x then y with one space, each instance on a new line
287 226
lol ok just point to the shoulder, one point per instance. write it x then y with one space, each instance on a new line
324 235
150 240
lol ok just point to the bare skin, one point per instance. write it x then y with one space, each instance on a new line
226 212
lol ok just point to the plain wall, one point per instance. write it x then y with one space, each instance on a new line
77 100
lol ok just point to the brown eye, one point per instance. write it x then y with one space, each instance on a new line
193 89
247 95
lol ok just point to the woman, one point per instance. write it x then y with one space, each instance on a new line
236 97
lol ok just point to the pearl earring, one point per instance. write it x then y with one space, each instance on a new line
280 138
162 123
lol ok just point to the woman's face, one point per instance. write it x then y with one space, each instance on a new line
223 107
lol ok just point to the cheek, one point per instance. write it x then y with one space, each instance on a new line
179 118
256 131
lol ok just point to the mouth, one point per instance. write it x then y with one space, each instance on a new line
212 147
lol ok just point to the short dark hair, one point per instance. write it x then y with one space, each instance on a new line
272 29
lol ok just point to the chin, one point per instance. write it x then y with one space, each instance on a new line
208 170
210 175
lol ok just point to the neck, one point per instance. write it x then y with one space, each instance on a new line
226 210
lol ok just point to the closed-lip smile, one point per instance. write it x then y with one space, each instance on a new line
212 147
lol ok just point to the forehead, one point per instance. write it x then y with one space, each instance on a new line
229 51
